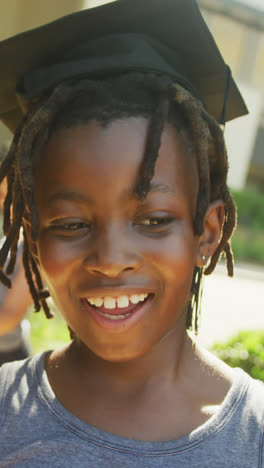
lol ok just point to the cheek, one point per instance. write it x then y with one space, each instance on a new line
57 259
174 264
174 257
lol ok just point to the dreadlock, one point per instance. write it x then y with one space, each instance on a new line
153 96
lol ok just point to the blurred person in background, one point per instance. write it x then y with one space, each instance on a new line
14 303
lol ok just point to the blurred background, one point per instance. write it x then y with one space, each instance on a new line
232 309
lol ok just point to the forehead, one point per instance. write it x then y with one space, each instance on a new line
112 156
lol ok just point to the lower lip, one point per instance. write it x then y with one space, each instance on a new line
119 324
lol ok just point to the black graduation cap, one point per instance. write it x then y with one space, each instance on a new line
163 36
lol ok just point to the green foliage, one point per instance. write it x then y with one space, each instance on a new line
250 208
248 245
47 334
248 240
246 350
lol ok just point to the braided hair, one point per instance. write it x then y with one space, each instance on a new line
153 96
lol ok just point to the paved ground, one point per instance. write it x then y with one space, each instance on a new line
232 304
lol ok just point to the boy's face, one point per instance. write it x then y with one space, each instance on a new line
97 240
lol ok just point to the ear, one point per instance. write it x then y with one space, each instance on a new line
208 241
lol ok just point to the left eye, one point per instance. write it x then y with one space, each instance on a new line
154 225
155 221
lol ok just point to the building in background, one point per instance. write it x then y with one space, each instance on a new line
238 28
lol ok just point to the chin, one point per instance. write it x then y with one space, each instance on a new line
120 355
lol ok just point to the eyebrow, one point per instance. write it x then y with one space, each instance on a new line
159 187
153 187
78 197
71 196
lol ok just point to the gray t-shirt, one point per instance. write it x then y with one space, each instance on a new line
37 431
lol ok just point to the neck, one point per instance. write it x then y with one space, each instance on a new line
164 362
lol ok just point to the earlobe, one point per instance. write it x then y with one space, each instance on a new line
208 241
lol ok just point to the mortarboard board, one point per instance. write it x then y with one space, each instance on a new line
161 36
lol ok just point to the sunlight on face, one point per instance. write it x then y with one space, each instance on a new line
98 240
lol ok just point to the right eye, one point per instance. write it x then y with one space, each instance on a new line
70 228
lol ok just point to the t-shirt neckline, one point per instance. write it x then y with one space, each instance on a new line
121 444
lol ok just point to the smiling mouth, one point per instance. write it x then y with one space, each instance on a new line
120 308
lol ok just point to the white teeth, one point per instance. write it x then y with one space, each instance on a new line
134 299
142 297
114 317
98 302
121 302
91 300
109 302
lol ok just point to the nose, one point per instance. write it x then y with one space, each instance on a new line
112 254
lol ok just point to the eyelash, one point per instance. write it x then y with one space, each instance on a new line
160 221
70 226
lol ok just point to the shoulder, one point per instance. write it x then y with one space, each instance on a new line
248 418
240 396
16 380
254 396
244 414
8 373
11 372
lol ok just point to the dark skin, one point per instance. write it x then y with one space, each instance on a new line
143 379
